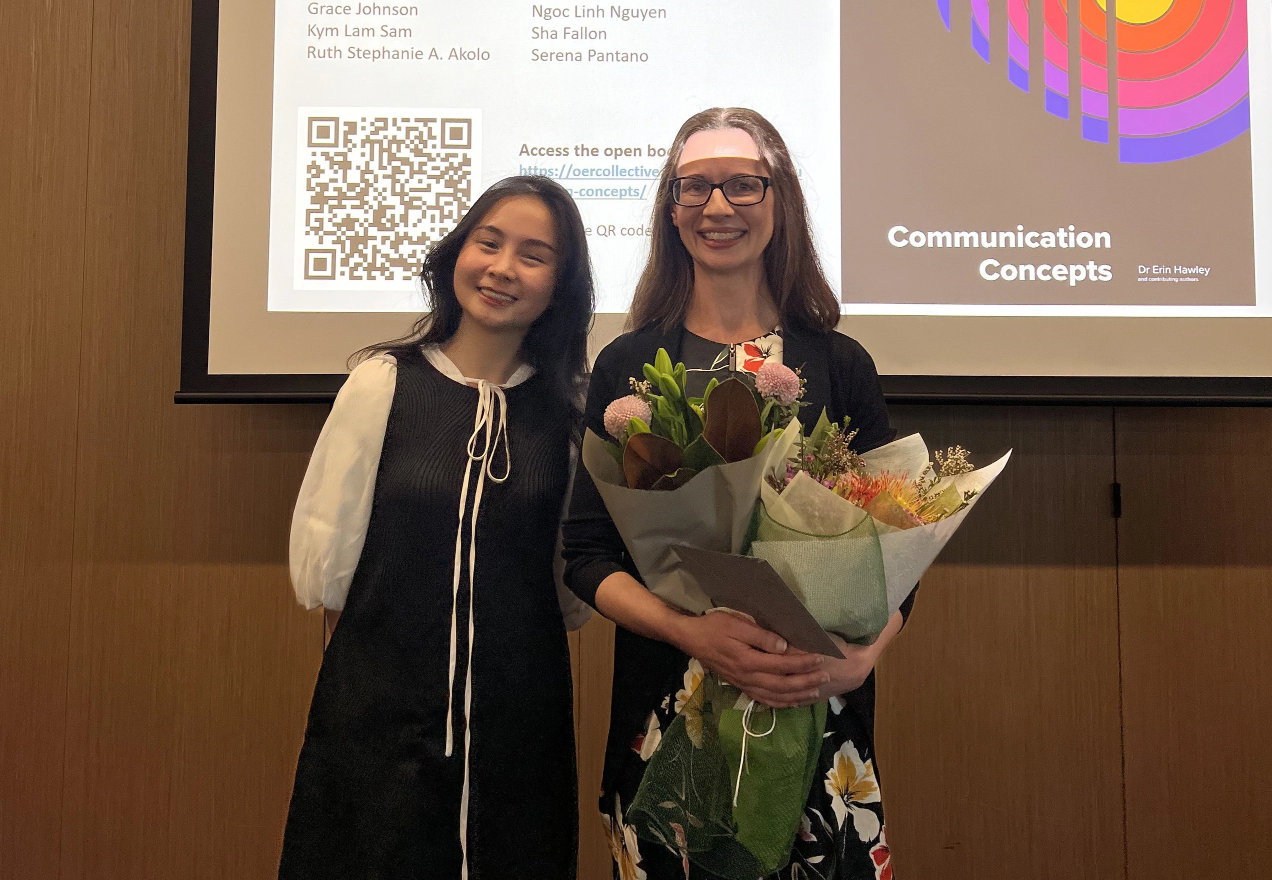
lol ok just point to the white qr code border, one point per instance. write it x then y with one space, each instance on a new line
315 263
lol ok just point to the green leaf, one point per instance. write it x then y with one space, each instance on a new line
767 412
693 423
764 441
733 421
662 362
648 458
700 455
711 386
665 411
668 482
615 451
636 426
820 432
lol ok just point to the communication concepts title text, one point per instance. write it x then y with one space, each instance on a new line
991 269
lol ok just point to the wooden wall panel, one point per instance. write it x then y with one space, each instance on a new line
592 711
998 726
1196 617
190 664
44 55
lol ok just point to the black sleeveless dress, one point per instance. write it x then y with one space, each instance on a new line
375 795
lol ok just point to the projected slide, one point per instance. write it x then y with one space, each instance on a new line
390 119
1046 157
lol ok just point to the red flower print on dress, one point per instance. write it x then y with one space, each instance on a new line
882 857
754 357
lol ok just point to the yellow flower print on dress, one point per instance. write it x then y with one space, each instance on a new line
850 782
623 844
689 702
693 678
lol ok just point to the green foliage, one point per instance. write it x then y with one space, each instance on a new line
675 416
699 454
687 434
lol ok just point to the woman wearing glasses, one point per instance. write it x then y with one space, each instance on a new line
732 281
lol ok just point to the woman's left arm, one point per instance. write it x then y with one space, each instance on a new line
850 673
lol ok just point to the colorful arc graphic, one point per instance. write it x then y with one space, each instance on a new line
1018 43
1055 63
1183 80
980 28
1094 49
1181 69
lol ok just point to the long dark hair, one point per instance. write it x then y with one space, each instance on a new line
556 344
803 296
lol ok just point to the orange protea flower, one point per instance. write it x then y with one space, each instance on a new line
861 488
891 498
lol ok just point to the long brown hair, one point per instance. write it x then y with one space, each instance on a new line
800 291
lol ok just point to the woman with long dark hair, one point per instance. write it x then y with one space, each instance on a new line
440 738
732 281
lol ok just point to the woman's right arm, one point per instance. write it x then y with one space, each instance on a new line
744 654
333 509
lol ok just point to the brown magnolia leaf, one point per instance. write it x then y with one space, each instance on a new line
648 458
668 482
733 421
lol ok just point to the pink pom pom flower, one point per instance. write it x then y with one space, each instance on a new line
622 411
779 382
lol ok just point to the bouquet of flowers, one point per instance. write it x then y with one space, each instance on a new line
852 534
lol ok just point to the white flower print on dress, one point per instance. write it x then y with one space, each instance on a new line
850 783
647 743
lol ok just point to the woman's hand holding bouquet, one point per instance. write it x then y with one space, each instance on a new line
755 661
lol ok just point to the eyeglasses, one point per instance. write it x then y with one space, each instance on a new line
740 191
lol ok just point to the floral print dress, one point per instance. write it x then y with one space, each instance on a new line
841 834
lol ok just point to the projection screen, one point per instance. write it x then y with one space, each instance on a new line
1017 199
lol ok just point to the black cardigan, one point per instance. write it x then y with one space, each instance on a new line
840 376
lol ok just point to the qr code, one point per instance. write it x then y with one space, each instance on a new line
378 188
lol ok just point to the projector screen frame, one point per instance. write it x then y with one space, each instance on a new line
198 385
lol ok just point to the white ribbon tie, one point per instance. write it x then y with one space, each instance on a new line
490 427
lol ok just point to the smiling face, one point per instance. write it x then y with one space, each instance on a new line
506 270
721 237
